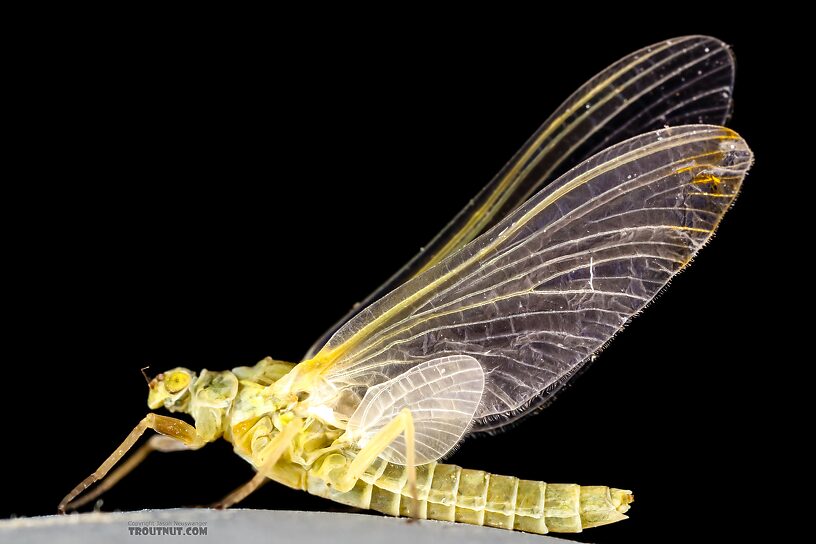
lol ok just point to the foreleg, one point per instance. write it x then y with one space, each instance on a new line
179 431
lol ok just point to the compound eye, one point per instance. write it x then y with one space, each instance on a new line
176 381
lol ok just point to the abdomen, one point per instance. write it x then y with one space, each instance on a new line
451 493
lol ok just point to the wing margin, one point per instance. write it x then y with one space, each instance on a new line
647 206
686 79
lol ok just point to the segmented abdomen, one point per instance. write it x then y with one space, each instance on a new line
451 493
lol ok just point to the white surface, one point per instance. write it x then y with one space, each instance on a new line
255 526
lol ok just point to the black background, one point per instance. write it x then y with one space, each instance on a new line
209 197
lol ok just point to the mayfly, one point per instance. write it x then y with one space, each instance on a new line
497 313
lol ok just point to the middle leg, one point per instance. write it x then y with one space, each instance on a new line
271 455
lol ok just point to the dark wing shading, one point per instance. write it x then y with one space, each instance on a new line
679 81
533 298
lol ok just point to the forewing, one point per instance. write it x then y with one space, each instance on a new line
678 81
442 394
534 297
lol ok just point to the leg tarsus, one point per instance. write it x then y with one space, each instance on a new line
170 427
157 442
240 493
410 458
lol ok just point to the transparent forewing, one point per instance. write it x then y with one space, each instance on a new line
684 80
534 297
442 394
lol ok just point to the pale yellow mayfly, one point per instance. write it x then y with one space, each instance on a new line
515 295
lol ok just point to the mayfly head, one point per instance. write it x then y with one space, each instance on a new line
171 389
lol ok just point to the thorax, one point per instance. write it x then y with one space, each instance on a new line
259 412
